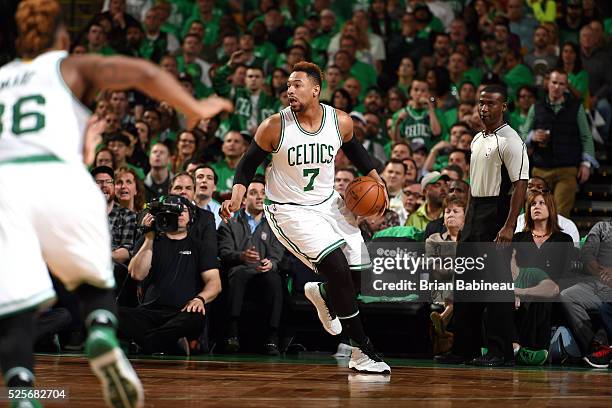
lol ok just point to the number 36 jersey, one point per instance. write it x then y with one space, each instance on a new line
303 163
39 115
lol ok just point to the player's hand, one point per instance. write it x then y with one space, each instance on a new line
504 236
194 306
228 208
584 173
208 108
265 265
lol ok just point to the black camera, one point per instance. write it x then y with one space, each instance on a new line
166 211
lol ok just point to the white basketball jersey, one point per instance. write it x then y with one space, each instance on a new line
39 115
303 163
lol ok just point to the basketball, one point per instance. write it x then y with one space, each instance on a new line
364 196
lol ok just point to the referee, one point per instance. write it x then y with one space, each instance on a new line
499 170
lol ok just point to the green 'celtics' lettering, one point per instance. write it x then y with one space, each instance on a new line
313 173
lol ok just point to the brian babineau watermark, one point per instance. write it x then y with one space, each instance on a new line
440 270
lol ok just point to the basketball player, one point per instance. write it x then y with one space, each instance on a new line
305 212
42 122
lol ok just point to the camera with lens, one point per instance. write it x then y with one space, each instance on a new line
166 211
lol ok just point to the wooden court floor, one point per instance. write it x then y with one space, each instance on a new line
321 381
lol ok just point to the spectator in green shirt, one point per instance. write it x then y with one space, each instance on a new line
516 74
419 120
251 104
563 149
435 188
205 11
234 146
97 42
571 63
189 61
364 73
526 97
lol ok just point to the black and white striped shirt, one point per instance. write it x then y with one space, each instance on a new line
498 159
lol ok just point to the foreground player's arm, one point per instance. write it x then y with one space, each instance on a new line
87 74
266 141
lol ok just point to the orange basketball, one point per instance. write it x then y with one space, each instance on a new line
364 196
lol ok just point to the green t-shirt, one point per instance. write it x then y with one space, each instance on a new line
530 277
517 121
243 107
365 74
416 126
580 81
518 76
226 174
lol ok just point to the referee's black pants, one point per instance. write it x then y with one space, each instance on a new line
484 219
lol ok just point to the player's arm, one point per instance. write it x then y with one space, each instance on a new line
356 153
87 74
266 141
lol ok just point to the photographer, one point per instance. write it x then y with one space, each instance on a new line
179 278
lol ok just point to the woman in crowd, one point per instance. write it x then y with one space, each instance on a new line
444 245
577 77
129 189
541 258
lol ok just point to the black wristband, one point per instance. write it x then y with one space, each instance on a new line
202 299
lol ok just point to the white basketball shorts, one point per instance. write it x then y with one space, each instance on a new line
312 232
51 215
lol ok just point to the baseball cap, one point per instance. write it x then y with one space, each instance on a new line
433 177
358 116
103 170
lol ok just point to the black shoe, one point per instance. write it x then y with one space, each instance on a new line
492 361
232 345
271 349
182 346
450 358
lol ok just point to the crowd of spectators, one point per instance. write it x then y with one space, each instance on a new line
409 74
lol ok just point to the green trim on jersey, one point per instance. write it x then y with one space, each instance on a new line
360 267
282 135
291 243
267 201
329 249
26 304
338 126
42 158
61 78
320 127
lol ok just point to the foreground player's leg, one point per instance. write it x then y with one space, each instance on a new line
339 290
120 384
16 354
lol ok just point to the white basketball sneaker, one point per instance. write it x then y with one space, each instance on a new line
331 324
365 360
